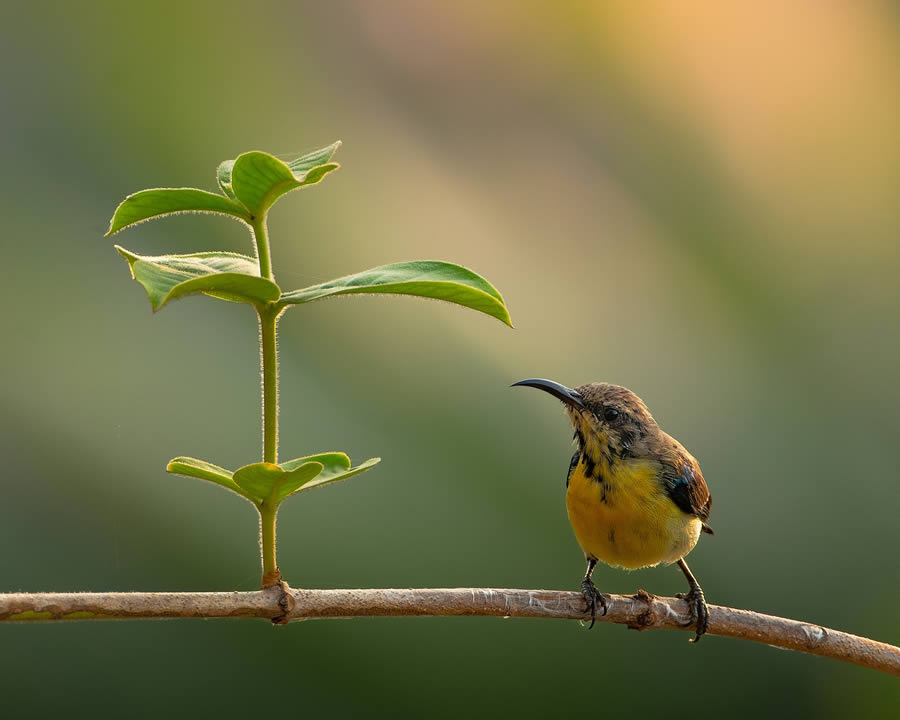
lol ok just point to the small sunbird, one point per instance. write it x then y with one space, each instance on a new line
635 497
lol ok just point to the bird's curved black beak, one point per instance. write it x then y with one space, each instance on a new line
560 392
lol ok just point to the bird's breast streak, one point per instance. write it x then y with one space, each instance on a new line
625 520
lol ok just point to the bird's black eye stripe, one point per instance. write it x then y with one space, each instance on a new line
610 413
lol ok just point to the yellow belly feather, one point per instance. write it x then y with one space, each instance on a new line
636 525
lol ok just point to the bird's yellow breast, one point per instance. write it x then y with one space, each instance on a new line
626 519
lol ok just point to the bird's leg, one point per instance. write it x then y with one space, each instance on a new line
592 596
695 598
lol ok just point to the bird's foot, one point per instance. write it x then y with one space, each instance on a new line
592 598
699 611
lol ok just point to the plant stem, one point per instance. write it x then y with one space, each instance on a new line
267 540
268 359
263 253
268 332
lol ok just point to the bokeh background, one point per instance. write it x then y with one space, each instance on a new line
696 200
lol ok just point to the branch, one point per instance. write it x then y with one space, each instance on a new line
282 604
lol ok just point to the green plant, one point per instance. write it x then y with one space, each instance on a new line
250 185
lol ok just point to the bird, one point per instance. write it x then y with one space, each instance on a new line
635 497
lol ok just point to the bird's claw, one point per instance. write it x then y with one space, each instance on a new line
593 597
699 611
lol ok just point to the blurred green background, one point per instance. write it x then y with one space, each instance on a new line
698 201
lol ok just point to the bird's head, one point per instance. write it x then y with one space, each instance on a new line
609 415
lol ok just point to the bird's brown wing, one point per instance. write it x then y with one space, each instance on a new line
685 485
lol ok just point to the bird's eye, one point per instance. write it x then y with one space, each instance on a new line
610 413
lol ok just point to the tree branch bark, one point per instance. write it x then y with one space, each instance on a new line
282 604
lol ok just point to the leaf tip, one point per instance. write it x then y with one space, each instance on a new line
113 227
130 258
127 254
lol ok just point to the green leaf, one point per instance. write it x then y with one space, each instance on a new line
228 276
422 278
264 481
297 479
298 167
258 479
331 461
148 204
191 467
261 179
223 177
307 162
336 466
258 179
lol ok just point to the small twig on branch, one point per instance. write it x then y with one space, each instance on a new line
282 604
